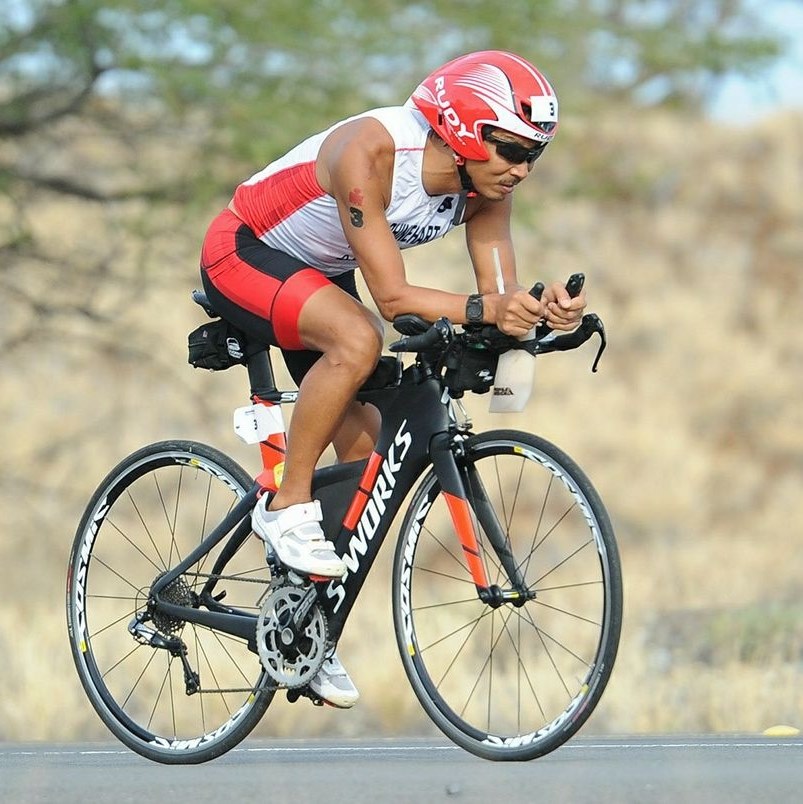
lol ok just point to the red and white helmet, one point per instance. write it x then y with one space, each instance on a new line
490 88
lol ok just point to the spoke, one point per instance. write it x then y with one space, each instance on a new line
172 698
541 635
136 546
139 677
535 547
458 561
446 575
127 616
542 589
538 525
170 527
560 563
484 665
218 685
569 613
459 650
471 623
198 651
544 634
120 661
504 513
499 486
523 667
126 598
147 529
491 669
117 574
233 660
555 526
446 603
509 517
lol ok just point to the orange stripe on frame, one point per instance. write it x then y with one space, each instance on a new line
363 490
355 509
463 524
371 471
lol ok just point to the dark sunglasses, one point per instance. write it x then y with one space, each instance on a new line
515 152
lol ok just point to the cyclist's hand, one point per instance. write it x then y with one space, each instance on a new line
518 312
561 311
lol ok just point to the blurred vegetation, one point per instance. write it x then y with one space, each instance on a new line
234 83
123 128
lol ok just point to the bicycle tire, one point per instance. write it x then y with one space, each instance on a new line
149 512
510 683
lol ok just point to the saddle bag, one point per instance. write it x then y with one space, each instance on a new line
216 346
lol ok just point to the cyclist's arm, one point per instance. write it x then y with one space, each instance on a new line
487 232
356 168
487 228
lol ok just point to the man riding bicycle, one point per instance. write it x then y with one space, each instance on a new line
280 264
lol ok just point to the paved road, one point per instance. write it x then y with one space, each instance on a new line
708 769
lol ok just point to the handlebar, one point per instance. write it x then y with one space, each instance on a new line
441 333
439 336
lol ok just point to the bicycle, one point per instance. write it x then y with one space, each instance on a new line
182 632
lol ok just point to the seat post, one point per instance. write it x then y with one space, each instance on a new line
260 376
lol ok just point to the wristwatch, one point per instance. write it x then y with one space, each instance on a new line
474 309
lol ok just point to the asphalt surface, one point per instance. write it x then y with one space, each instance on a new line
690 769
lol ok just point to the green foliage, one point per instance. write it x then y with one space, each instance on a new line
268 73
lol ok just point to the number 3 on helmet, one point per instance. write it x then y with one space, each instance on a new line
487 88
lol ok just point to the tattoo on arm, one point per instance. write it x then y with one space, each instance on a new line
356 201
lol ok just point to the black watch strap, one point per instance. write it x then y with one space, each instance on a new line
474 308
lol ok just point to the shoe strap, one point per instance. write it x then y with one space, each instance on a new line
302 521
299 514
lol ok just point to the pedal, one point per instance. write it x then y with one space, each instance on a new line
294 694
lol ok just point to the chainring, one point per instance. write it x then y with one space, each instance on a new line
291 657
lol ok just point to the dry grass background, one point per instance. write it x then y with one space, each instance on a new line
692 242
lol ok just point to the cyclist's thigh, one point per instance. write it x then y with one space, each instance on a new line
300 361
335 323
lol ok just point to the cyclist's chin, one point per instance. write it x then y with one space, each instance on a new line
495 191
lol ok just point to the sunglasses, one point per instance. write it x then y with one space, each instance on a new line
515 152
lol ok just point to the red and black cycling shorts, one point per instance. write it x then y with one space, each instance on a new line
262 290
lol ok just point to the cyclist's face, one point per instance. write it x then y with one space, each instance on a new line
497 177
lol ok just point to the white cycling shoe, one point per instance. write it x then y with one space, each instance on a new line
333 685
294 533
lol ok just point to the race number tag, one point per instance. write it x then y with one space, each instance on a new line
254 423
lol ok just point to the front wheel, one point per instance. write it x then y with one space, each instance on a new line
190 703
514 674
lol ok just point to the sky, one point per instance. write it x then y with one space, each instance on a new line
745 100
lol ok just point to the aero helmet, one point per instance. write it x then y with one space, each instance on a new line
487 88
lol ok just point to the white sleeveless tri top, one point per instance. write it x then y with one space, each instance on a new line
285 206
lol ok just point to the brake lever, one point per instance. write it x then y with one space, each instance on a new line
589 326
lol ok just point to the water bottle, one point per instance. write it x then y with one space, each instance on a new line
515 371
515 374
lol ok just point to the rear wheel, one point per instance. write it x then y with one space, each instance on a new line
198 700
513 676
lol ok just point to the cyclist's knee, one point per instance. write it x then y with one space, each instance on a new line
357 348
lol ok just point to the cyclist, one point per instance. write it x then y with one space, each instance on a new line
280 263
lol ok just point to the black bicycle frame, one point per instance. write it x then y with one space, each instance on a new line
360 501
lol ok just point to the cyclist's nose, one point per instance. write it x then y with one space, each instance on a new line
520 171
